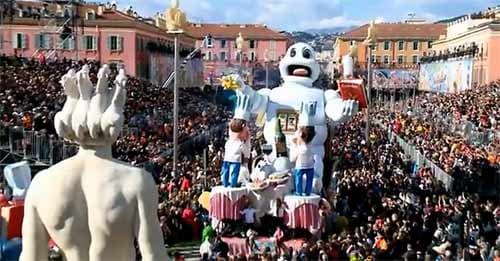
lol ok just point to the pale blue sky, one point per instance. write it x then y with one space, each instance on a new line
304 14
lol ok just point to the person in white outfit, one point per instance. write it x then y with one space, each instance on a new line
238 144
302 153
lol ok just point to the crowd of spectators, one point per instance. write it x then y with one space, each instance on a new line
385 210
467 155
383 205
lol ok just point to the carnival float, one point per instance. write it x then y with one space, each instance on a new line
293 117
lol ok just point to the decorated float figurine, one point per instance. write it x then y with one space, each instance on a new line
299 70
301 151
237 146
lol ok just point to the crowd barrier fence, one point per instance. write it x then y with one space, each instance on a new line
422 161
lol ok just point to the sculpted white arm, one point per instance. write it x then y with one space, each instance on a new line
35 236
259 99
149 234
337 109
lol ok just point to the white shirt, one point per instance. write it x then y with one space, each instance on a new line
206 247
278 212
234 148
248 215
303 156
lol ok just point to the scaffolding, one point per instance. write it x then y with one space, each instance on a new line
59 31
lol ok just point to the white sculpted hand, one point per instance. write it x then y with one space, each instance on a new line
351 108
339 110
95 114
63 118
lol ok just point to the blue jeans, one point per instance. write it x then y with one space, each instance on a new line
299 173
233 169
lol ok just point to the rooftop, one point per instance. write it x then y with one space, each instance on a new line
230 31
105 16
398 31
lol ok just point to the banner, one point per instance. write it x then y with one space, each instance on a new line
446 76
398 78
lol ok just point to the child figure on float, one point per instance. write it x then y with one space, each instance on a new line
237 147
299 71
301 152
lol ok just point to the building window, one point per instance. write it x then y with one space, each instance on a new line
252 56
272 45
115 43
90 15
429 44
67 44
252 44
415 59
89 42
43 41
209 56
1 40
373 59
209 42
415 45
386 59
401 45
222 43
222 56
20 41
387 45
352 42
401 59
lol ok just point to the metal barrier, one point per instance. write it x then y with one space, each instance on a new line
39 146
422 161
46 149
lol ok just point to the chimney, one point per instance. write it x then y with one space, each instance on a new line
100 9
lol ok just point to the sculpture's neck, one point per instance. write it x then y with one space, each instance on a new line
96 151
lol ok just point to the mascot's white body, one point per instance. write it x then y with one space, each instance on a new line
299 70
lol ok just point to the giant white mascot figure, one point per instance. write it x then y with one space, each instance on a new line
299 70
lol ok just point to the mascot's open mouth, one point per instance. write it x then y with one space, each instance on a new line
299 70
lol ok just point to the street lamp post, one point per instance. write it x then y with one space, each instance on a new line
266 61
176 101
175 21
370 42
239 46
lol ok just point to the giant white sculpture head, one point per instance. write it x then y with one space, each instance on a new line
299 65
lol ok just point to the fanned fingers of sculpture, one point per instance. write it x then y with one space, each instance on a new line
92 115
63 118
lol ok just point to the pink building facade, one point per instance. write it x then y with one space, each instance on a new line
220 55
484 32
101 33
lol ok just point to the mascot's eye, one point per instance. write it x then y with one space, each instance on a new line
306 53
293 53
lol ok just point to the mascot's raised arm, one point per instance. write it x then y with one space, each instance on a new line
299 71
